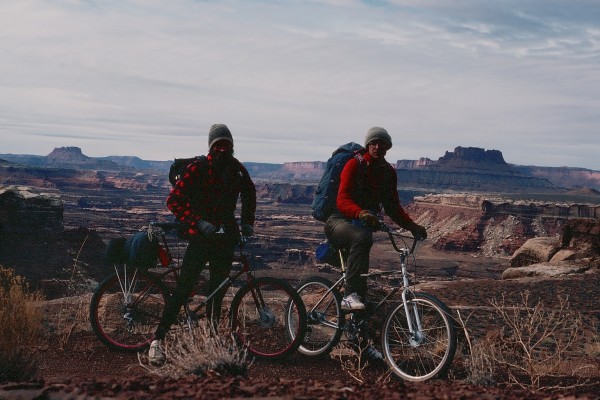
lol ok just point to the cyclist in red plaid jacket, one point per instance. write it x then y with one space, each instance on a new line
204 201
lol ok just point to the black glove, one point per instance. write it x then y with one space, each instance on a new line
247 230
419 232
369 219
206 228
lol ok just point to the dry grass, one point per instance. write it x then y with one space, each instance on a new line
199 351
479 366
73 314
354 361
21 327
534 347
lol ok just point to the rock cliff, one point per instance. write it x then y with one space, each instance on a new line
493 227
34 242
465 168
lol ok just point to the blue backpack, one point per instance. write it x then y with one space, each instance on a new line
324 203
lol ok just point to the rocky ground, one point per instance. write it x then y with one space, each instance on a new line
74 365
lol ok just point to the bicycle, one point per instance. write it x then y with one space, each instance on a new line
418 337
127 306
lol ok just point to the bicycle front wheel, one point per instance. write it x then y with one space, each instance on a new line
427 349
260 313
324 316
126 308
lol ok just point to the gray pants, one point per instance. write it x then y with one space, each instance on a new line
358 241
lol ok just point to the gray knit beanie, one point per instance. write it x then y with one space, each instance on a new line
378 133
219 132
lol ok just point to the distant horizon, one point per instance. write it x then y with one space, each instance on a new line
294 161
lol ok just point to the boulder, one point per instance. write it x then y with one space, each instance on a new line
548 269
535 250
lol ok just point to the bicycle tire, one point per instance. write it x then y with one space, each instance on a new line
325 320
428 354
126 308
259 318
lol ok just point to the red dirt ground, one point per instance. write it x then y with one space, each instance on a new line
87 369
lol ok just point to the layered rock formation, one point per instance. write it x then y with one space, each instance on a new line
35 244
465 168
492 226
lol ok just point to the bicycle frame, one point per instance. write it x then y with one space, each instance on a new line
418 337
403 252
266 315
241 258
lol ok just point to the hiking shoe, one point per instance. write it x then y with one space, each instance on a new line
373 354
156 354
352 303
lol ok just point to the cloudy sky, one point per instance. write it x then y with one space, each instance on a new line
294 79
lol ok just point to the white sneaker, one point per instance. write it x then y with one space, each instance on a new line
156 354
374 354
352 303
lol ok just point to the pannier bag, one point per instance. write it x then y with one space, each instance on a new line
137 251
328 253
115 251
141 251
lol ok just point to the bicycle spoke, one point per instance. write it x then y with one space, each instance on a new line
124 313
324 316
261 318
422 353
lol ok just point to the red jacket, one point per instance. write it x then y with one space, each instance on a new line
204 193
368 186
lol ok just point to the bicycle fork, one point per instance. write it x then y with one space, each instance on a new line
413 319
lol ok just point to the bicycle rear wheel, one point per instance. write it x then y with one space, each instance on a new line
126 308
429 350
260 313
324 316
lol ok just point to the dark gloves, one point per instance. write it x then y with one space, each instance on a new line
418 231
369 219
206 228
247 230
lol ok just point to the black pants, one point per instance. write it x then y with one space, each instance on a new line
219 256
358 241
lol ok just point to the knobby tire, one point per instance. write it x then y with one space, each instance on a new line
260 318
126 308
429 354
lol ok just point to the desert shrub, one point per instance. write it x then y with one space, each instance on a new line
535 342
20 327
478 361
200 351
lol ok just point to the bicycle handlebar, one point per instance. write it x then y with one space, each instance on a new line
391 233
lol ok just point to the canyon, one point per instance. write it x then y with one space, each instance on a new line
494 230
67 205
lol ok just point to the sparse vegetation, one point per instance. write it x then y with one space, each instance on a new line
480 367
354 362
20 327
200 351
534 344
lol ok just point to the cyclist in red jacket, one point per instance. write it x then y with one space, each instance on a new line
204 201
365 186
